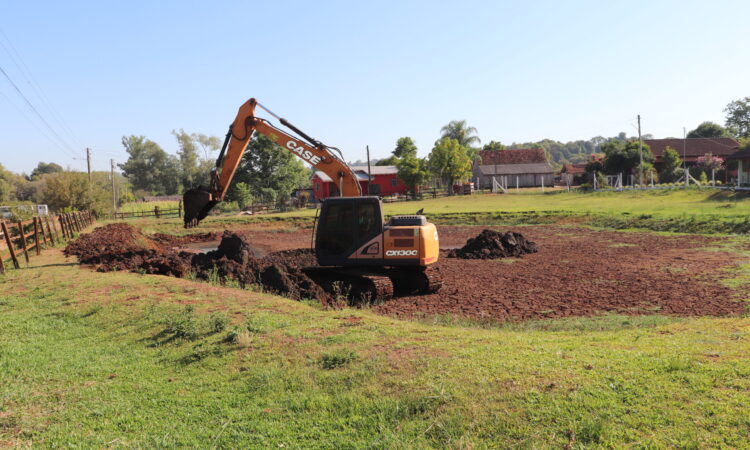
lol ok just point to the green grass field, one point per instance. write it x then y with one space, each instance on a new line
147 207
93 359
116 360
676 210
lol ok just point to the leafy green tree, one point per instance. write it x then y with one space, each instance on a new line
241 195
459 130
413 171
405 146
672 168
7 185
149 167
389 161
207 143
494 145
69 190
188 154
738 117
7 193
624 156
44 168
270 171
709 130
450 161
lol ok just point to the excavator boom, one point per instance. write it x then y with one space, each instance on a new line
199 202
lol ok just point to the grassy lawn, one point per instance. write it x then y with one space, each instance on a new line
676 210
147 207
127 360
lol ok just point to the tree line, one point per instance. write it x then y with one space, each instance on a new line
269 173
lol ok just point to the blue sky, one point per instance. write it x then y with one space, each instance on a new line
364 73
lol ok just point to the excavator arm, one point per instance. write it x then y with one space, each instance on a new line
198 202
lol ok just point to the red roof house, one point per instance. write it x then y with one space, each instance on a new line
692 148
384 182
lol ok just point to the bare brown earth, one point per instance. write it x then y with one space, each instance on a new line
579 272
575 272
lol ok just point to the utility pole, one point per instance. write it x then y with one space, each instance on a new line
88 163
684 148
640 151
684 157
114 192
369 177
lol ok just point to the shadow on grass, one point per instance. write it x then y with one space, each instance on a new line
70 264
608 322
727 196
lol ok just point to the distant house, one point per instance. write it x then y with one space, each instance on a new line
526 167
385 181
691 148
742 157
573 173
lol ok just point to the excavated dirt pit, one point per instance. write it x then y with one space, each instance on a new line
574 272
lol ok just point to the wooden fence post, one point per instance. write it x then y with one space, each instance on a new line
23 241
156 212
54 228
36 238
62 226
2 263
49 230
68 225
9 242
65 226
45 235
179 209
75 220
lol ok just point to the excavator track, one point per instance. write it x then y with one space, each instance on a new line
415 281
358 286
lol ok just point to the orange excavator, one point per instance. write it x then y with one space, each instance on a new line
357 251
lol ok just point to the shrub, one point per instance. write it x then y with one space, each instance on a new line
239 336
218 322
337 359
184 325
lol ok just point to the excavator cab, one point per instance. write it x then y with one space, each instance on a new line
345 225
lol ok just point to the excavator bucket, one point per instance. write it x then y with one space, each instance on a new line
197 204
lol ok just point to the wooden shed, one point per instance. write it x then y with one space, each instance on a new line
522 167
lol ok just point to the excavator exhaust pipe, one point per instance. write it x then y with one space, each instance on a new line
198 204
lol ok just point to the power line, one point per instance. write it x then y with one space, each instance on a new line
33 108
34 124
31 81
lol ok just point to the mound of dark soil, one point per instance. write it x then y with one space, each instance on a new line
491 244
122 247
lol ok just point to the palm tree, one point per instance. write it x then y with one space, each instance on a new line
464 134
